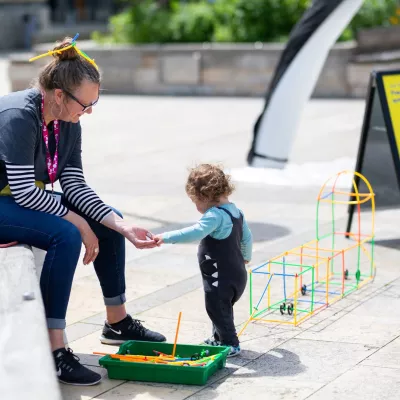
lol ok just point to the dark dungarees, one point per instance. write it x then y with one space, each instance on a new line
224 278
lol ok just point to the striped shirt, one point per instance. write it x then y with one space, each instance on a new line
23 159
26 194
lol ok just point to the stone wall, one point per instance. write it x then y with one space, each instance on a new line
195 69
378 39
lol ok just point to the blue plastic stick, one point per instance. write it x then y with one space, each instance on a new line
327 195
260 266
323 291
75 38
309 301
262 296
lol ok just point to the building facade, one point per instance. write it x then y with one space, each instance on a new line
25 22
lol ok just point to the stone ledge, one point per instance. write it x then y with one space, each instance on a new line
210 69
194 69
378 39
23 335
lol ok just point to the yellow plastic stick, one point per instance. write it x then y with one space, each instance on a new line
51 52
59 51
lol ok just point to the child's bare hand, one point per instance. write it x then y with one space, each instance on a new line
158 239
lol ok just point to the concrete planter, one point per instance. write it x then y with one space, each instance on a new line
378 39
192 69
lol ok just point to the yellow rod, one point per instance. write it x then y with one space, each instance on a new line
307 255
346 202
50 53
248 321
354 194
322 249
274 321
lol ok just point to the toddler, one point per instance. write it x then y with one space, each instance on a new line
225 247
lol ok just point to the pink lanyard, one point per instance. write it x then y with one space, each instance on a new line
52 165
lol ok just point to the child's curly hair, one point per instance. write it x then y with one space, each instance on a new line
207 182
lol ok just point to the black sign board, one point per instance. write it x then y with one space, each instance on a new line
378 154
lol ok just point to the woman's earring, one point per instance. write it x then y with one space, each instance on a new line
53 114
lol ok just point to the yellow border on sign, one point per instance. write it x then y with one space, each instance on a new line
391 85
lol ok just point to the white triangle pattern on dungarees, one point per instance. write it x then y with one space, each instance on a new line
215 274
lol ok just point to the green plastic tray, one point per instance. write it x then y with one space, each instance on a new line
126 370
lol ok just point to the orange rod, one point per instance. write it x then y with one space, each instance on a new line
294 248
352 234
176 334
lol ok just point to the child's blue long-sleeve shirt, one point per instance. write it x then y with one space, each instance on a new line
216 223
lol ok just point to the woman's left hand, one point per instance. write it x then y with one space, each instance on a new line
139 237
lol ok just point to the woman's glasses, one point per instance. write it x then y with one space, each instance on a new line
84 107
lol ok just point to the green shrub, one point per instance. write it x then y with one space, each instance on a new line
374 13
146 21
150 23
192 22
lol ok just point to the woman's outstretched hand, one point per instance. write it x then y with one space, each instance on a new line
139 237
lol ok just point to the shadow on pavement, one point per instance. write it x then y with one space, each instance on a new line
389 243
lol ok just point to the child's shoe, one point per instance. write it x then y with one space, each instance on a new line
212 342
235 351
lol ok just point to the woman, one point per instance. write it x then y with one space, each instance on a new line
40 142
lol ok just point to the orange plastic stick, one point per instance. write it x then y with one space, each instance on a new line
176 334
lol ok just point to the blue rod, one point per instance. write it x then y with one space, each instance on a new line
309 301
260 266
323 291
327 195
262 296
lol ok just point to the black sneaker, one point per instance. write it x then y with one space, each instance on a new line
128 329
71 371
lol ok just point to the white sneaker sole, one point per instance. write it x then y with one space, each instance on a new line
116 342
233 355
111 341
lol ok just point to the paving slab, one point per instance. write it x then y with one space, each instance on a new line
70 392
360 383
154 141
386 357
296 368
368 324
